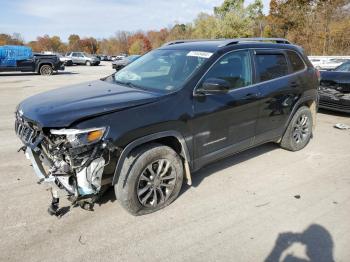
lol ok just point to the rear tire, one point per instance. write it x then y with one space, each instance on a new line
299 130
151 179
46 70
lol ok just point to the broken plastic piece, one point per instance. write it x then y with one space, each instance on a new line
53 208
342 126
87 205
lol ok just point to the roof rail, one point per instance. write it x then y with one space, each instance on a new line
191 40
255 39
227 42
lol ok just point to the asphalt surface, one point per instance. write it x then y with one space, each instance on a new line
263 204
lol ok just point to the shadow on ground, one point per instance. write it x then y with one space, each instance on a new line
36 74
200 175
333 113
316 239
107 196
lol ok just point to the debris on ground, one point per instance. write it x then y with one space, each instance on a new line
80 240
342 126
297 196
261 205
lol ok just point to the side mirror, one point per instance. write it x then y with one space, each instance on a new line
214 86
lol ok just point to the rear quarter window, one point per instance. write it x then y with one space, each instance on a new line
271 66
295 61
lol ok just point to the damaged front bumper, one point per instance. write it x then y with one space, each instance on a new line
88 180
81 172
334 99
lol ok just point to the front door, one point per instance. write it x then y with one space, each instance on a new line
224 123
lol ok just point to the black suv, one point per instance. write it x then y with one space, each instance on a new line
177 108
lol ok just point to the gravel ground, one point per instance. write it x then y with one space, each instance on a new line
265 203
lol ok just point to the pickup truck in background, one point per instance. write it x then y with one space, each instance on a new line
22 59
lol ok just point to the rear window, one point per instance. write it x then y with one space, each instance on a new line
271 66
295 61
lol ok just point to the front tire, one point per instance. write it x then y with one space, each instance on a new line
88 63
299 130
46 70
151 179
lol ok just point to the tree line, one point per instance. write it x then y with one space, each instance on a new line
321 27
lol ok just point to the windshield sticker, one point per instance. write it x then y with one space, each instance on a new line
200 54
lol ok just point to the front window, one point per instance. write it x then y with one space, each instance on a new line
162 70
235 68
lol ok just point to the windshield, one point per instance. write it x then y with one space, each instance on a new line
162 70
343 67
132 58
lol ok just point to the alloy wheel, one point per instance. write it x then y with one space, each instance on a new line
156 183
302 129
46 70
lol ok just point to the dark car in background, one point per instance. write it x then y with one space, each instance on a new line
119 64
145 128
334 89
103 57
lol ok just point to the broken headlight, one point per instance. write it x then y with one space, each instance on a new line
81 137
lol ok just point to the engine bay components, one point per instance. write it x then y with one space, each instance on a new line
89 178
71 161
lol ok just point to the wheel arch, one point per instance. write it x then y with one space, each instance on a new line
309 101
313 105
43 63
172 139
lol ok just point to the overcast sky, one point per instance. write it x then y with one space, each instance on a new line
32 18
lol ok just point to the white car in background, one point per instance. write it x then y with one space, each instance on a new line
327 62
316 62
66 60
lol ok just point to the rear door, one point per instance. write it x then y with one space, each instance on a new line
280 87
77 58
74 58
224 123
26 64
81 58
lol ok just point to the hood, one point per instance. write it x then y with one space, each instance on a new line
336 80
61 107
328 74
